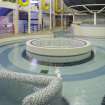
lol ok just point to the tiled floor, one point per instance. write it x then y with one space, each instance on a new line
83 84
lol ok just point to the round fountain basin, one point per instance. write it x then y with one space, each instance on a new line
59 49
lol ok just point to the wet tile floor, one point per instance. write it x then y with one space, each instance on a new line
83 84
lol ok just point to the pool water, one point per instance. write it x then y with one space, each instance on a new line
83 84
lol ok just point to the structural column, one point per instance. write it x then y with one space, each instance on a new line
29 20
15 20
53 13
73 18
40 15
50 15
95 18
62 13
65 21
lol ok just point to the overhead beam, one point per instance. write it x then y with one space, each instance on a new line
101 10
90 11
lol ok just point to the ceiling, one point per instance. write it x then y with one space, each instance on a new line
85 2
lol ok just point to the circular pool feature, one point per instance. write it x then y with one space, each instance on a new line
42 60
58 50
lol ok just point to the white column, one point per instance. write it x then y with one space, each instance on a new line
73 18
65 22
29 20
50 15
54 13
40 15
61 13
95 18
15 20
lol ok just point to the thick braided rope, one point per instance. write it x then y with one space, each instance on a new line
51 91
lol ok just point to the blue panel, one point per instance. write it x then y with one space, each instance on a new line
4 11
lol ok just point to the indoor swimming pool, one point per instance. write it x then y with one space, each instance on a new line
83 84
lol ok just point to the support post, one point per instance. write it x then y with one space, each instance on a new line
65 25
62 13
40 15
95 18
73 18
50 15
53 13
15 20
29 21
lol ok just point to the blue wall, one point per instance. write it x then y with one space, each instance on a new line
4 11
